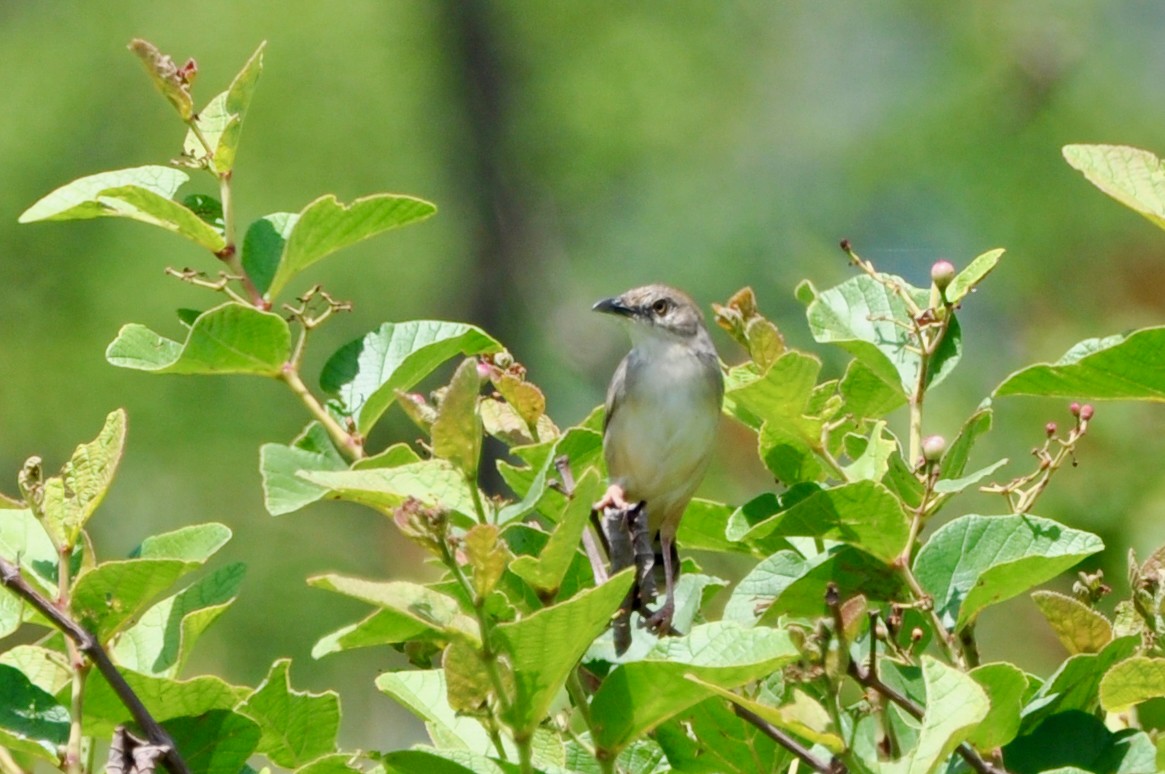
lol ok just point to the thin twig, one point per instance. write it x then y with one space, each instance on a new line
351 446
835 765
12 579
868 678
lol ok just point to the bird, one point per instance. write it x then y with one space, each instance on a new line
662 412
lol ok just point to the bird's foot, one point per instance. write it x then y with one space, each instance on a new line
614 497
659 622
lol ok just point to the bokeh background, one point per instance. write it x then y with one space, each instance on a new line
574 150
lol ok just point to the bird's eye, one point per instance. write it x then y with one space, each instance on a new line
661 306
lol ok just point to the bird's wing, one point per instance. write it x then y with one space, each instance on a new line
613 395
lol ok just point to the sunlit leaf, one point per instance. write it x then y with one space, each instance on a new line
1132 176
1079 628
220 122
966 280
297 726
71 497
229 339
366 373
1122 367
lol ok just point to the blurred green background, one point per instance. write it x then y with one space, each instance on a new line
574 150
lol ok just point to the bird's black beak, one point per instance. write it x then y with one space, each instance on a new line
613 306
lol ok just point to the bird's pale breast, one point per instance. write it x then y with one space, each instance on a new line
659 437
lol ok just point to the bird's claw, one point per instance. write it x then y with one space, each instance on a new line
614 497
659 622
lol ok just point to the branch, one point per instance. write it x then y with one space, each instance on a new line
835 765
868 678
11 578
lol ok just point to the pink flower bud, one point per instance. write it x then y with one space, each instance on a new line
933 447
1074 408
1086 412
942 273
1050 429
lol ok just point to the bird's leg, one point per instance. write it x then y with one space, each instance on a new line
659 622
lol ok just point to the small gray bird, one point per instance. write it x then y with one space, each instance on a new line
663 407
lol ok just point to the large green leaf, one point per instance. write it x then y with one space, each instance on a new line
106 597
284 490
1131 682
1076 684
437 612
1132 176
162 638
221 121
545 646
637 696
787 583
864 514
215 742
1079 628
1005 685
791 717
955 705
326 225
366 373
229 339
775 403
1078 742
297 726
71 497
424 693
871 322
976 561
1121 367
433 482
31 720
263 246
140 193
164 697
709 738
384 627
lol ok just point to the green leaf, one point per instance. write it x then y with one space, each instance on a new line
949 486
636 697
704 526
384 627
775 404
71 497
326 225
874 460
710 739
976 561
46 669
1079 742
1076 684
297 726
23 540
263 246
866 394
423 692
164 697
1005 685
216 742
433 482
1079 628
229 339
546 570
366 373
954 462
284 490
161 640
457 432
220 122
1132 176
437 612
867 319
31 720
1131 682
107 596
1122 367
336 763
436 761
966 280
864 514
787 583
140 193
545 646
955 705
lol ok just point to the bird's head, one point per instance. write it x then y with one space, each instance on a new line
656 311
